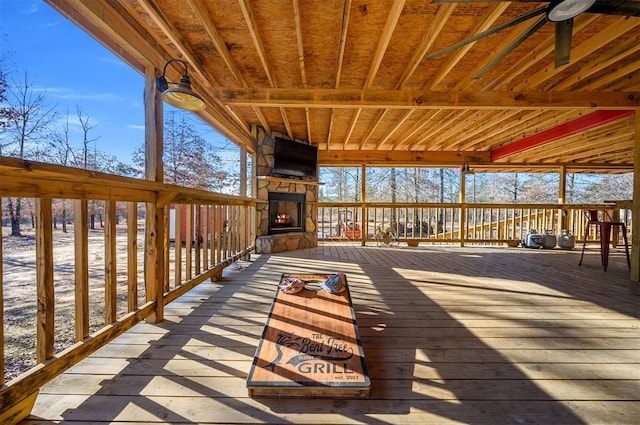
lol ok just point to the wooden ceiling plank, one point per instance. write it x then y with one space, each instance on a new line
418 126
591 120
403 117
452 126
425 99
470 123
440 19
530 123
285 120
599 40
569 151
170 31
180 44
383 43
252 26
491 15
428 135
374 126
216 39
111 29
617 54
471 133
607 79
354 120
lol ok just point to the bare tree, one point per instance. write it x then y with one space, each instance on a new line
28 123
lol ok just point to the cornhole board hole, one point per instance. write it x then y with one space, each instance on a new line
310 346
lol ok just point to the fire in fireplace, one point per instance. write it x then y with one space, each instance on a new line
286 212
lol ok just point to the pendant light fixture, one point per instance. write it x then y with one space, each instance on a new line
182 96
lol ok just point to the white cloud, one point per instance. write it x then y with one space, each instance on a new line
71 94
136 126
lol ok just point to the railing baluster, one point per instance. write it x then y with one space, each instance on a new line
188 242
110 271
81 265
198 238
132 256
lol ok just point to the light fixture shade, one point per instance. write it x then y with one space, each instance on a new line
561 10
183 96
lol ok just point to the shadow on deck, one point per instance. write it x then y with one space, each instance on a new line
451 335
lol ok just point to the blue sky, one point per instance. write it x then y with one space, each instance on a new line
74 69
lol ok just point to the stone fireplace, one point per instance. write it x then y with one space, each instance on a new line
286 210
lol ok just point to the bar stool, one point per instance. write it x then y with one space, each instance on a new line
605 225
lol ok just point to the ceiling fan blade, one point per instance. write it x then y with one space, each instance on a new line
494 30
533 28
564 32
616 7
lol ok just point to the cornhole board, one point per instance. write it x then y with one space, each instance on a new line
310 346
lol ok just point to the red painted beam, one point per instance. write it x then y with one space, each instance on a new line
583 123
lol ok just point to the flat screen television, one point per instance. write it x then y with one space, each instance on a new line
293 159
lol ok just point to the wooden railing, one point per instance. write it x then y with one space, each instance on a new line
149 244
441 222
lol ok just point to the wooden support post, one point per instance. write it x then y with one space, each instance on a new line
463 209
44 277
154 220
562 198
81 242
110 269
364 227
635 212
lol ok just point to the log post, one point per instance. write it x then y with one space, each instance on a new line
154 220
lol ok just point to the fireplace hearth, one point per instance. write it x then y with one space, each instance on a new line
286 212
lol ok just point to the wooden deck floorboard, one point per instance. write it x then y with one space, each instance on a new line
451 335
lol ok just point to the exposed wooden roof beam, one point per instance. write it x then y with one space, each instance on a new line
425 99
586 122
385 157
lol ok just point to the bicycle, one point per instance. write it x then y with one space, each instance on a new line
386 237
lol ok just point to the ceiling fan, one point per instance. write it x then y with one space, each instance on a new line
560 12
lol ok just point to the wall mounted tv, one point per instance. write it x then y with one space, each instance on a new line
293 159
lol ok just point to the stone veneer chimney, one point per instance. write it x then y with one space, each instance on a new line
266 183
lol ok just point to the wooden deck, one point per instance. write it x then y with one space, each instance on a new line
451 335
